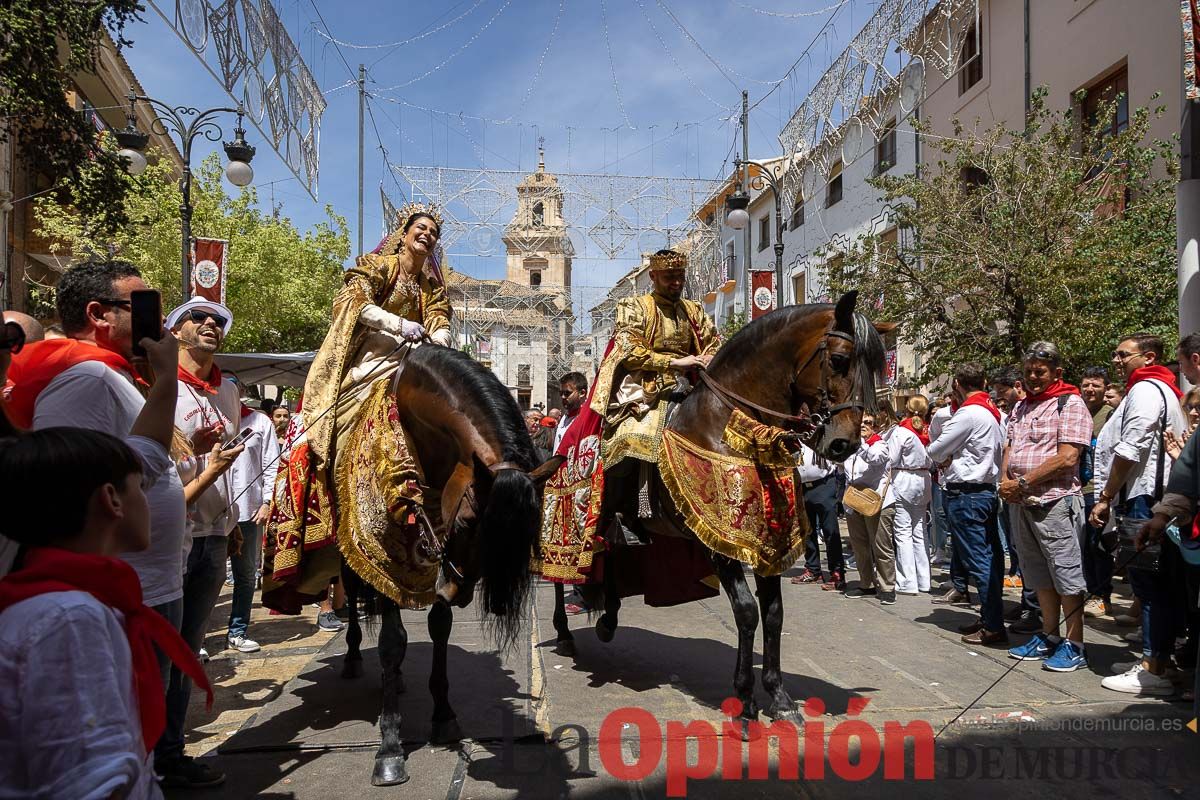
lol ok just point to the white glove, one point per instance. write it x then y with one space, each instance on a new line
375 317
412 331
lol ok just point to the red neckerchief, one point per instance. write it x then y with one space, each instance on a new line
209 387
1158 373
982 399
39 363
115 584
246 410
1056 389
922 434
875 437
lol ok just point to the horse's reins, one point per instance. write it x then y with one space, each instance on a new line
807 422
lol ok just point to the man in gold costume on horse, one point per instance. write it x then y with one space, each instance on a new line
393 299
658 336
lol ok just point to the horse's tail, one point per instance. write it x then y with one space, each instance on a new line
510 533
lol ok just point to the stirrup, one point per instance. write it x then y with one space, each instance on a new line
623 536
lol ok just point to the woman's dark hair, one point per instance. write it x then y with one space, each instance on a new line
54 472
408 223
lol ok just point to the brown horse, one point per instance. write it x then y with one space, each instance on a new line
469 438
810 369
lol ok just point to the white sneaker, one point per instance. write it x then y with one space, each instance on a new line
1138 681
242 644
203 656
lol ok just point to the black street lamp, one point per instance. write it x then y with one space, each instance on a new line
188 124
738 218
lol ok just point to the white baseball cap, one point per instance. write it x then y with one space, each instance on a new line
203 304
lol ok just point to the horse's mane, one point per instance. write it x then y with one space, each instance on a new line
868 345
510 523
491 403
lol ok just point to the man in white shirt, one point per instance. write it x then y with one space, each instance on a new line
206 413
969 447
573 390
1131 470
253 478
819 484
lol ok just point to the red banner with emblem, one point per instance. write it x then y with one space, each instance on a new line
762 293
208 268
1190 12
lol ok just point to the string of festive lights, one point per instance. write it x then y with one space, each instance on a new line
612 67
726 71
537 73
675 61
792 15
402 42
455 54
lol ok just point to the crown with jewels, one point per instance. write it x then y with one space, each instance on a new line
409 210
391 244
668 260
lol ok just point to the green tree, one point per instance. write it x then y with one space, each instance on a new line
42 44
1019 236
280 282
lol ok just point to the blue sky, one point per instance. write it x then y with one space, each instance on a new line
641 114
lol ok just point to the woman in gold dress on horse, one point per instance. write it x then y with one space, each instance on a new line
392 299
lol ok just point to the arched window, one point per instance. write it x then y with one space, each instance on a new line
539 215
535 279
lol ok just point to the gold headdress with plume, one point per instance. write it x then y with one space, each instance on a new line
667 259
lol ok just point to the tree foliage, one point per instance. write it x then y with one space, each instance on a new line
280 282
42 44
1019 236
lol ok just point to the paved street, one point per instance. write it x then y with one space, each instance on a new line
316 738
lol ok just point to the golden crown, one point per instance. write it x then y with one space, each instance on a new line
391 244
409 210
667 259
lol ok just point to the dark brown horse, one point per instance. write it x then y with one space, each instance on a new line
810 369
468 435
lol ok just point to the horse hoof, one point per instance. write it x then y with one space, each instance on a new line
603 632
352 669
446 731
565 647
389 771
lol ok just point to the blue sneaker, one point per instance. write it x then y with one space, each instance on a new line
1036 649
1067 657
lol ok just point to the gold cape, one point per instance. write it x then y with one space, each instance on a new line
374 279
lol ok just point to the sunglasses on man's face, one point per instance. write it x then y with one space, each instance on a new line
12 337
1121 355
198 316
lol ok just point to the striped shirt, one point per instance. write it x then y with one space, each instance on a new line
1034 433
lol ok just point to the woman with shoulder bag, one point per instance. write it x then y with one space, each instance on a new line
867 479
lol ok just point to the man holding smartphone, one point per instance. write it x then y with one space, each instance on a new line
206 413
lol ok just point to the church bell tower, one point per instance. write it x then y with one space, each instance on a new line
539 251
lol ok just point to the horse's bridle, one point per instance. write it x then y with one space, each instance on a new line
807 423
432 545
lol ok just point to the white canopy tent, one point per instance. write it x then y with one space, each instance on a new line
267 369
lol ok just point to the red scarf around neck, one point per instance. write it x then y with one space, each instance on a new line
115 584
921 433
1158 373
39 363
209 387
1056 389
982 399
875 437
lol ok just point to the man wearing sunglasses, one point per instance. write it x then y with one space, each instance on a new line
206 413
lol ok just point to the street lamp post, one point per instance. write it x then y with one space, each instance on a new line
738 218
188 124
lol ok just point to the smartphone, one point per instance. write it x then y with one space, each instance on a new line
145 309
240 439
